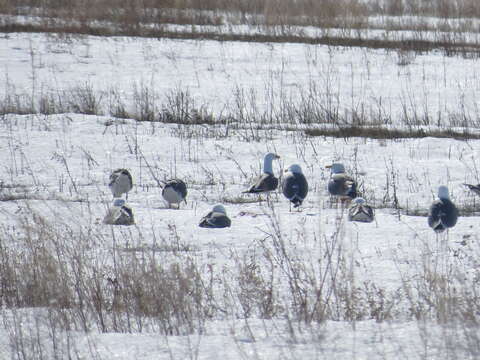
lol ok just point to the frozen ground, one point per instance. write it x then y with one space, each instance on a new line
59 165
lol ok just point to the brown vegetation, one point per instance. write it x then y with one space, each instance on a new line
278 18
390 133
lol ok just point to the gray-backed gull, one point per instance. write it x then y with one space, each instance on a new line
340 184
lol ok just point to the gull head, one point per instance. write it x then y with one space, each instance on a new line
220 209
443 192
118 202
336 168
295 168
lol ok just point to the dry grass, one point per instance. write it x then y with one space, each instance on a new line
307 114
281 21
386 133
92 291
91 285
131 11
449 46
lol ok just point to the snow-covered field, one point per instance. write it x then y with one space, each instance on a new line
395 286
400 87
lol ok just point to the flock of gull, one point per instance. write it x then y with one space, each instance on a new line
442 215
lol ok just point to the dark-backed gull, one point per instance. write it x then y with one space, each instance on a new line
443 213
267 181
360 211
294 185
217 218
474 188
174 192
119 214
121 182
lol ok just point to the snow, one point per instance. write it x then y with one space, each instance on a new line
61 163
214 73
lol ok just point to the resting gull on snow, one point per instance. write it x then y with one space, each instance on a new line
121 182
174 192
119 214
360 211
340 184
267 181
217 218
443 213
294 185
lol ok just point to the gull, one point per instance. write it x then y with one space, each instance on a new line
174 192
294 185
443 213
340 184
267 181
474 188
360 211
120 182
217 218
119 214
